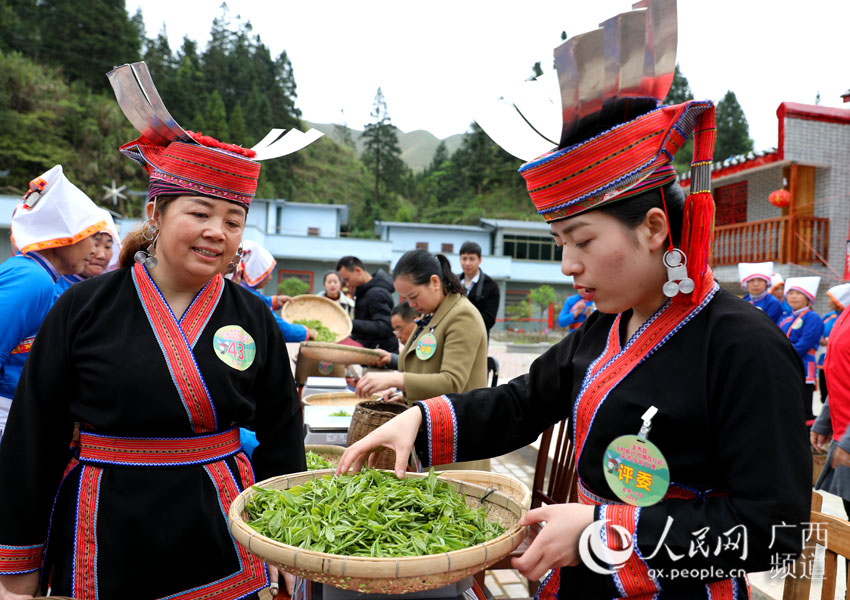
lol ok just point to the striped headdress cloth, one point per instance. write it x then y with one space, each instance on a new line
183 162
616 140
205 168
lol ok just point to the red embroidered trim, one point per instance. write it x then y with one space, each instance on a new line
193 321
646 342
724 590
441 431
634 574
246 471
85 548
158 451
16 560
24 346
179 356
252 576
550 588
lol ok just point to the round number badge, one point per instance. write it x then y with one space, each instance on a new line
426 346
235 347
636 471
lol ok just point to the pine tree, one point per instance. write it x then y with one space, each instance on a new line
680 89
215 118
87 38
733 131
238 131
382 156
441 155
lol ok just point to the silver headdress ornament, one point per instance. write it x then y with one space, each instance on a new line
139 100
605 76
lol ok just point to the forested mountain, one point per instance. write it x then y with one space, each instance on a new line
417 147
56 107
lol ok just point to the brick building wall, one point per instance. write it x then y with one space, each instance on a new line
828 145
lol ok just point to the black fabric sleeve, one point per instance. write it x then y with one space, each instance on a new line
279 420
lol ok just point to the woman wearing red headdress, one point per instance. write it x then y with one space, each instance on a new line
683 406
160 361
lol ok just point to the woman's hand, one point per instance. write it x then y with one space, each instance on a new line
557 543
274 582
819 441
18 587
374 383
840 458
385 357
398 434
311 335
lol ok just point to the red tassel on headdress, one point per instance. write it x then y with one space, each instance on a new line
698 219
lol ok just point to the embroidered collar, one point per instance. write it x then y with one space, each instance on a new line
757 297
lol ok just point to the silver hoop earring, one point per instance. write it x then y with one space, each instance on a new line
148 257
677 273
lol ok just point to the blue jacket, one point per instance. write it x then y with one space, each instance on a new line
804 328
566 318
66 281
27 291
769 305
291 331
828 321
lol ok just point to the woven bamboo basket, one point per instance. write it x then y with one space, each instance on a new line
341 399
340 353
368 416
501 483
384 575
310 307
332 454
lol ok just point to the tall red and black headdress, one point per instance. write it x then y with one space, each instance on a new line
184 162
612 138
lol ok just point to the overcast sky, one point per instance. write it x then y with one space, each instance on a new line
436 61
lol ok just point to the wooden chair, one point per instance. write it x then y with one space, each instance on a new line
555 482
837 537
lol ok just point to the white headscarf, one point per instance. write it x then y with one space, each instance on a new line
257 263
55 213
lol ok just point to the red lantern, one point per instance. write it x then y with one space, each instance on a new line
780 198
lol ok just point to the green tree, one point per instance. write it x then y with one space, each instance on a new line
542 297
733 131
87 38
382 155
238 132
441 155
680 91
215 118
293 286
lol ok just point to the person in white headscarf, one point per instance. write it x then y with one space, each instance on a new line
255 271
52 229
107 247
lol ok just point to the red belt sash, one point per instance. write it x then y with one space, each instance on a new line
158 452
206 451
176 340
